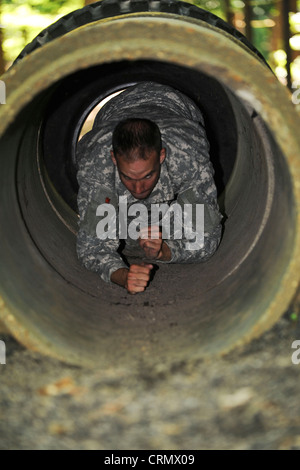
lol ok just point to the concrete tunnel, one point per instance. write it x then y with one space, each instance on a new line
52 304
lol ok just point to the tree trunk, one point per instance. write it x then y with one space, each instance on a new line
294 9
248 18
286 33
2 61
228 12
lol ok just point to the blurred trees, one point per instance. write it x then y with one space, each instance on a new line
22 20
273 26
2 61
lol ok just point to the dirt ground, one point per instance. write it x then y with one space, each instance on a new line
246 400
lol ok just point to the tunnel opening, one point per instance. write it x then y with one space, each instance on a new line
77 95
188 312
90 119
209 303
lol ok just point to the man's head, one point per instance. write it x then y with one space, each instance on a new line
138 153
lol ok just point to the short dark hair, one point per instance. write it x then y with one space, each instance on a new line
136 134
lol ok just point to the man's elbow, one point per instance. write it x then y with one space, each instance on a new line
212 241
206 246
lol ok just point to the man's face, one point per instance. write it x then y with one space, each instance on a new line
140 176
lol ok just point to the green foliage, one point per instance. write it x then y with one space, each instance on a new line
294 316
42 6
49 8
24 20
214 6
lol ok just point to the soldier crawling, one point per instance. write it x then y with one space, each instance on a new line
148 146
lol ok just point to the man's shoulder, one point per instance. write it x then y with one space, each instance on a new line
96 139
94 154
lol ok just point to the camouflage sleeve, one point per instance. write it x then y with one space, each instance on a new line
181 254
196 189
96 254
199 230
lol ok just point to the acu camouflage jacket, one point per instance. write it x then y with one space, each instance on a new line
186 175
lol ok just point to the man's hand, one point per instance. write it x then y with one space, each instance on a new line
135 279
153 245
151 242
138 277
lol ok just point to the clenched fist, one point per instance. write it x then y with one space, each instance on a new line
138 277
151 242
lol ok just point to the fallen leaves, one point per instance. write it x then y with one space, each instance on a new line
64 386
237 399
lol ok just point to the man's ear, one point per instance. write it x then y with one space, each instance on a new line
162 155
113 157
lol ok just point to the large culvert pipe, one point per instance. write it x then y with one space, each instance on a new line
51 303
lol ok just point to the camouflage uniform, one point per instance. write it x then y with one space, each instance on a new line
186 174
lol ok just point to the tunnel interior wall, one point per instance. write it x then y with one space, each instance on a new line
228 294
